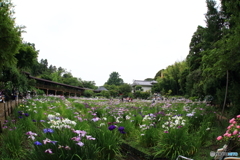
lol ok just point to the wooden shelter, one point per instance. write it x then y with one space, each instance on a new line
55 88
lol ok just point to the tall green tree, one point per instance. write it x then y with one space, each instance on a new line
159 74
214 24
224 59
196 47
10 35
114 79
26 56
89 84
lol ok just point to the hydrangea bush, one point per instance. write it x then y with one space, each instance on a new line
232 132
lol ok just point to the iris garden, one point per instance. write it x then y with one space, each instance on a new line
45 128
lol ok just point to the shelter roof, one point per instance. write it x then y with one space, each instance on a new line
143 83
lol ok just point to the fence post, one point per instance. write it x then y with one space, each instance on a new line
12 106
8 108
5 110
2 115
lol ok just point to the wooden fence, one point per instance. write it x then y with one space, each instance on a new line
6 109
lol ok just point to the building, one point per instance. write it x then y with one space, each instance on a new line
146 85
100 89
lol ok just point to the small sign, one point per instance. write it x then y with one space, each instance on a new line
222 154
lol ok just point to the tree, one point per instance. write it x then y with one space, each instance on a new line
10 35
138 88
26 56
196 46
113 89
114 79
105 94
70 80
88 93
224 59
214 24
149 79
125 89
159 74
89 84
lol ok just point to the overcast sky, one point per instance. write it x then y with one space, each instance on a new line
93 38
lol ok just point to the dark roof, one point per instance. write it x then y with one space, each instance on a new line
101 89
143 83
52 82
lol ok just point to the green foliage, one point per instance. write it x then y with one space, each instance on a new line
196 47
145 95
114 79
130 95
10 35
88 84
159 74
170 79
137 94
125 89
108 141
113 89
12 79
88 93
13 143
142 95
26 55
138 88
98 94
150 137
177 142
149 79
193 98
105 94
40 92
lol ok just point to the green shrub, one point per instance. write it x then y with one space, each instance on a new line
193 98
105 94
142 95
145 95
177 142
40 92
88 93
98 94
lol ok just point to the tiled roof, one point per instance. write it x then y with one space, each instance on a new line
143 83
101 89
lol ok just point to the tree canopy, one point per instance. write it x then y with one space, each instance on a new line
10 35
114 79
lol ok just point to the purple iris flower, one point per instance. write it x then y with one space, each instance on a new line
26 114
20 112
112 127
121 130
38 143
48 130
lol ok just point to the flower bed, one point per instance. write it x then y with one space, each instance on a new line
59 128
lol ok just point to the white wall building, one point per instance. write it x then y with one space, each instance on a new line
146 85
